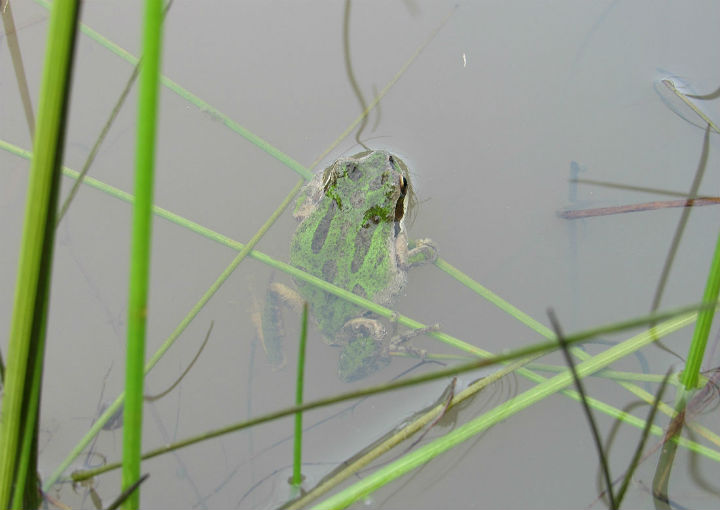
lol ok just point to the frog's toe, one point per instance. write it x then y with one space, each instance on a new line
423 251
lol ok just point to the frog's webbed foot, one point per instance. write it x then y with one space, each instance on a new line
421 251
400 344
361 327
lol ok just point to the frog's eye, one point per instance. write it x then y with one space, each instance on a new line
403 185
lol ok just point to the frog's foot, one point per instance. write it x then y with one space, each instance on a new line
361 327
421 251
399 343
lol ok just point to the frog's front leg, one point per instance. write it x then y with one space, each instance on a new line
271 330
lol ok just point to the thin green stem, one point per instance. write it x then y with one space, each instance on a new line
299 385
637 457
140 249
580 388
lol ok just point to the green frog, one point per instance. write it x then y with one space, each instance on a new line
352 233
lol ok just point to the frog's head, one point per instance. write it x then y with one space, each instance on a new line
376 183
361 357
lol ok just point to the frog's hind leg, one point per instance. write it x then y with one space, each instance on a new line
270 327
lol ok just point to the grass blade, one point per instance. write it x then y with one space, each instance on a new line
684 216
586 407
645 433
26 346
702 328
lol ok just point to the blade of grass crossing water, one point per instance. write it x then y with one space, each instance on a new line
140 251
25 349
14 49
103 133
643 438
579 387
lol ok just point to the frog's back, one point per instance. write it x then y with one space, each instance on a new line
348 238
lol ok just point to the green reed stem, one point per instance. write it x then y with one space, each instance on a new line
140 249
23 377
297 451
702 328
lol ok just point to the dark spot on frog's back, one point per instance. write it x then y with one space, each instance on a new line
323 227
362 244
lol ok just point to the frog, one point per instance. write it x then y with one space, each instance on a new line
352 233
